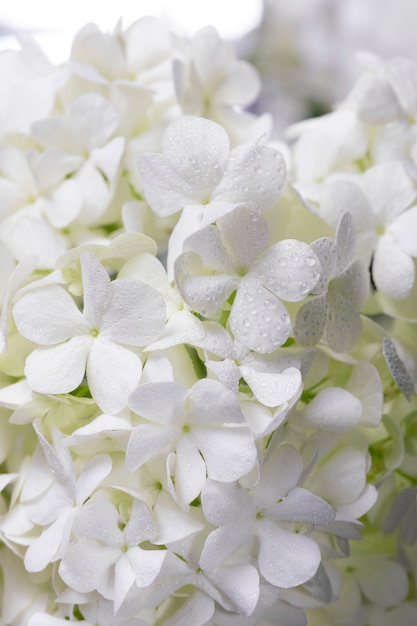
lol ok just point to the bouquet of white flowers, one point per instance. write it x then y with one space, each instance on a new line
208 342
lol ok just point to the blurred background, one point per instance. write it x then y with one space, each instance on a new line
305 50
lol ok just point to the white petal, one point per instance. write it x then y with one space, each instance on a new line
48 315
190 470
64 204
286 559
44 549
340 196
86 565
245 233
58 369
389 189
96 286
93 120
197 150
229 453
173 523
124 578
135 315
198 609
254 174
113 372
273 389
345 242
290 269
325 250
258 319
207 243
99 521
141 525
281 470
343 325
164 189
366 384
146 564
213 403
403 231
392 269
160 402
310 321
95 471
240 584
333 409
342 478
146 441
241 86
302 506
223 541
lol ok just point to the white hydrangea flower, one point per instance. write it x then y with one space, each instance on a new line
85 132
285 558
101 547
204 426
198 174
210 82
117 316
219 260
379 202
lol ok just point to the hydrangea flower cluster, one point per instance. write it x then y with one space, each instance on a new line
208 350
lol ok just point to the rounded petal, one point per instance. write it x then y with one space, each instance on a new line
255 174
212 403
403 231
290 269
286 559
160 402
113 372
333 409
241 86
245 234
164 189
197 149
310 321
135 315
258 319
146 441
229 453
58 369
48 315
273 388
86 565
389 189
392 269
343 325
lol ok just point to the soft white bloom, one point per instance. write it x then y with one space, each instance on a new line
85 132
198 174
204 426
286 558
117 316
210 82
379 202
56 507
219 260
102 551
